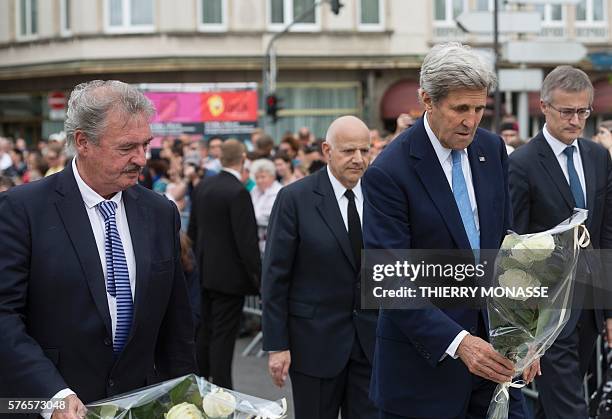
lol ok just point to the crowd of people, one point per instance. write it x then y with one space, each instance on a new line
288 219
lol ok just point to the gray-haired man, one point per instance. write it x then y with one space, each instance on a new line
93 299
552 174
442 184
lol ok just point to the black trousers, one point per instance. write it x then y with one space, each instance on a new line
347 393
216 338
478 404
560 388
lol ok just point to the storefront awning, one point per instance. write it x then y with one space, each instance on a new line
401 97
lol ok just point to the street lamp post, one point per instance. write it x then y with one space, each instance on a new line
269 64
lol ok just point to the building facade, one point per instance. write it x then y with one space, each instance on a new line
363 61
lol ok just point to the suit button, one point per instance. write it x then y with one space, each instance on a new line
111 383
354 312
107 341
472 330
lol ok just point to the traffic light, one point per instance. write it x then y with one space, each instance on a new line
335 6
272 107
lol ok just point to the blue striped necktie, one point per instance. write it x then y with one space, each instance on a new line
574 180
117 275
462 198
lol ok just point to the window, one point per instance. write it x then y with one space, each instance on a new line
27 19
283 12
553 20
371 15
447 10
129 15
313 105
591 19
65 13
212 15
590 11
484 5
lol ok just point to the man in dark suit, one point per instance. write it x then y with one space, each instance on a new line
224 232
554 173
312 323
93 299
442 184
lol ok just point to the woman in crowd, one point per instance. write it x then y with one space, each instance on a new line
263 195
284 168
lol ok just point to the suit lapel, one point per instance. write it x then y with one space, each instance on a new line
76 222
589 176
483 191
330 212
436 184
553 169
138 221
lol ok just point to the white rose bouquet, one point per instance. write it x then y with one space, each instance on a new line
188 397
521 326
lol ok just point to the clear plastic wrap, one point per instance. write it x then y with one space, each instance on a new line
188 397
522 328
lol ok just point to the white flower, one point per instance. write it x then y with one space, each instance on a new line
108 411
219 404
517 278
184 411
533 249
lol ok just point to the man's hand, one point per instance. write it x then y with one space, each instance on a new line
75 409
609 332
531 371
278 366
484 361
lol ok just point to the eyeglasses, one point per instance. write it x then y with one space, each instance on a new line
583 113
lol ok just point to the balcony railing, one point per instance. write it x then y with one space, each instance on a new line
592 33
553 32
447 32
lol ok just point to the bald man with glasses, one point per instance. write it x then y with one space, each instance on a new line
551 175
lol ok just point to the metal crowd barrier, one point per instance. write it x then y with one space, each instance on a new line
252 305
531 391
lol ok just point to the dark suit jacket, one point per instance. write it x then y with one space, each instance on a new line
409 205
223 229
541 196
54 316
310 283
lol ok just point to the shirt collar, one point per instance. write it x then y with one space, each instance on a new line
442 152
557 145
90 197
340 189
233 172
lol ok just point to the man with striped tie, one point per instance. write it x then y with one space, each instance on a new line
93 300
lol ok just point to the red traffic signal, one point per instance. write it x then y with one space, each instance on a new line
272 107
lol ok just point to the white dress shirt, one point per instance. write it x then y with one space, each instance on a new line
343 201
96 220
557 148
91 199
446 161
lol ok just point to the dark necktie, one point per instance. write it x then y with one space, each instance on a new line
354 227
574 180
117 275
